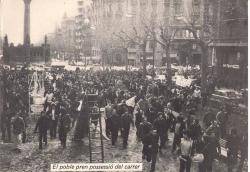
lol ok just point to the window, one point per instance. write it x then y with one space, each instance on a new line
134 2
210 13
119 12
151 44
80 10
196 2
154 2
166 2
132 45
196 10
80 3
110 11
177 7
143 2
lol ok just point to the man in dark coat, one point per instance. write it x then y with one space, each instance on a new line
64 127
161 125
233 142
126 120
18 128
210 148
53 113
42 126
151 115
195 131
114 125
138 120
150 142
144 129
178 132
108 113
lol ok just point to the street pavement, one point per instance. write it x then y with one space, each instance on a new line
33 159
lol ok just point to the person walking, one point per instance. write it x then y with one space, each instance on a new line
126 120
53 116
138 120
195 131
178 133
18 128
210 150
108 113
186 146
42 126
114 125
64 126
161 125
150 143
144 129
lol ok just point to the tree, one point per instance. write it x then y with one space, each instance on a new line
184 52
138 38
126 44
163 35
203 34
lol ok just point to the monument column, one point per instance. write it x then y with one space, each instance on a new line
26 31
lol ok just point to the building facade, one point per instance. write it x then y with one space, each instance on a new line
228 51
112 16
1 29
79 20
85 43
62 40
68 33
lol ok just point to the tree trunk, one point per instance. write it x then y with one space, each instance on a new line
126 53
204 66
144 58
169 71
154 48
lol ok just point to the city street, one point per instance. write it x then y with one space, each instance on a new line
163 83
33 159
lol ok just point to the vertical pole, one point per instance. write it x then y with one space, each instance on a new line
26 31
154 46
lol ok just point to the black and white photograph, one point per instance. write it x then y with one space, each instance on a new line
124 85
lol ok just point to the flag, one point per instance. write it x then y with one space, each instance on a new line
131 102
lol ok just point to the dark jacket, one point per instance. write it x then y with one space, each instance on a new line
18 125
42 124
64 123
145 128
151 139
126 120
115 122
211 144
196 131
161 125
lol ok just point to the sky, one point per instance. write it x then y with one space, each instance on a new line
45 16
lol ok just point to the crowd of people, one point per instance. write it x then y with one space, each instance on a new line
14 91
157 109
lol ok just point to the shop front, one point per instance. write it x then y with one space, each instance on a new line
230 63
